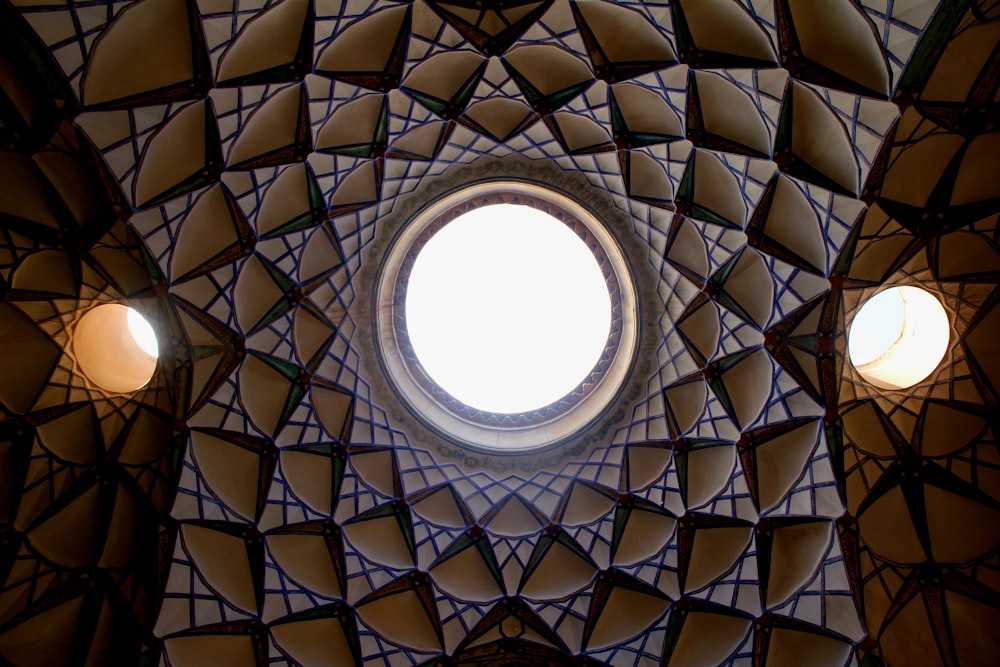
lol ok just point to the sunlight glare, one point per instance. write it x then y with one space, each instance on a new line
507 309
898 337
142 332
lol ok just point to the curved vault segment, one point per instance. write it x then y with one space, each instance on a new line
312 525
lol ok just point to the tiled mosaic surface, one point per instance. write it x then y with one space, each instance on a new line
223 165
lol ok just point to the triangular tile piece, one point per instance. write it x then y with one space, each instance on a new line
744 285
646 179
468 569
45 274
313 334
795 643
710 547
312 554
326 635
685 402
705 468
404 613
272 47
700 328
214 233
601 25
441 506
510 618
790 552
641 117
184 155
585 503
423 142
358 128
335 409
70 432
152 52
775 457
270 391
227 645
378 469
358 190
47 635
513 517
786 226
277 132
980 341
148 434
558 568
446 82
721 33
384 535
710 191
642 530
292 202
370 52
31 209
645 464
68 531
701 634
743 383
686 250
548 76
578 134
949 427
724 117
622 607
314 473
263 293
814 143
321 258
236 467
490 29
499 118
838 47
216 351
230 559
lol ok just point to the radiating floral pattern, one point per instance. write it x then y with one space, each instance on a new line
229 167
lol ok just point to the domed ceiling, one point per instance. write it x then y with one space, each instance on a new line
236 171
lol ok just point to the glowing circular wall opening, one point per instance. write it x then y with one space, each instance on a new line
115 347
506 317
507 309
898 337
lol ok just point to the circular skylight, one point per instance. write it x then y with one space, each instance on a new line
115 347
506 316
898 337
507 309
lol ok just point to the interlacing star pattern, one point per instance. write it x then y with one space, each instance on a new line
227 167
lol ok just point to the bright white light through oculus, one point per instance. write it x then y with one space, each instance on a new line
142 333
898 337
507 309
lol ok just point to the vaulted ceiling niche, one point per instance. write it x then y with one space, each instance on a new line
238 171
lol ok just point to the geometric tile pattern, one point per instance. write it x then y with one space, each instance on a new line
88 477
225 166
